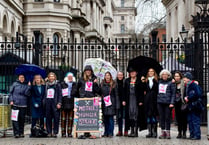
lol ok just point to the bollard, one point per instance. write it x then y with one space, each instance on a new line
208 112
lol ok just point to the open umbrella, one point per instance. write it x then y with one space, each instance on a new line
141 64
100 67
29 70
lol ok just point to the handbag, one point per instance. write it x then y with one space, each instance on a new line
184 107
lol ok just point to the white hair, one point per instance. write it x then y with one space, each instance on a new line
167 72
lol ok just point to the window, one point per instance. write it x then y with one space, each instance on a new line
122 17
57 1
122 28
122 3
56 43
164 38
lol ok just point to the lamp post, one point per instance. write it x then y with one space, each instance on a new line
184 34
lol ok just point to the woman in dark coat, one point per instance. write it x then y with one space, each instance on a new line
37 96
68 94
120 108
53 102
18 97
150 102
165 100
87 87
109 96
133 101
181 115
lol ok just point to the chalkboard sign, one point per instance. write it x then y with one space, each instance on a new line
87 115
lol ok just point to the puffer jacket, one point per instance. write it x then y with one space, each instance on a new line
87 94
105 91
19 93
167 97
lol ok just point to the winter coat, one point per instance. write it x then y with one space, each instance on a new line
120 89
37 107
82 93
57 93
194 94
68 103
105 91
19 93
139 92
150 99
166 92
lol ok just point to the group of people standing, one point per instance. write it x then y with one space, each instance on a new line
137 100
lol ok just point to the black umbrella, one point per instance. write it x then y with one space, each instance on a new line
142 64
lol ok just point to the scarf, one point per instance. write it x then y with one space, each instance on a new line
151 82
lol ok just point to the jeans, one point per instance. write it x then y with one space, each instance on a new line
165 116
194 125
18 126
109 125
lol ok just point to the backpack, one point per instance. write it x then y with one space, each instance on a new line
36 131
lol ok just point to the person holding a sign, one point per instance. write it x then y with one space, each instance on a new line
68 94
37 108
133 102
150 102
87 87
53 102
18 96
165 99
109 95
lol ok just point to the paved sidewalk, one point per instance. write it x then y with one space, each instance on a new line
141 140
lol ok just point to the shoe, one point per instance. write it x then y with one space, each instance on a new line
163 135
149 135
154 130
132 134
195 138
119 133
168 135
184 135
21 136
126 133
54 135
136 132
49 135
110 136
70 135
63 135
179 135
104 136
16 136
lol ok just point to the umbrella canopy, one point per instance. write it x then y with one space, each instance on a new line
142 64
100 67
29 71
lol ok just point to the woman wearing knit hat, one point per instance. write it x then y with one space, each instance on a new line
68 94
194 100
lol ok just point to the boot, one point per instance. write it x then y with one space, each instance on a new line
149 135
126 133
168 135
119 133
132 134
136 132
163 135
179 135
184 136
154 130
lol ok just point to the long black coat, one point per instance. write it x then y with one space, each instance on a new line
68 103
150 99
139 91
105 91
